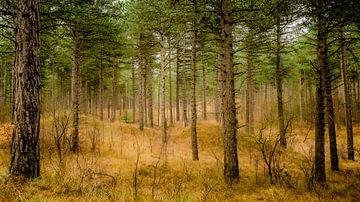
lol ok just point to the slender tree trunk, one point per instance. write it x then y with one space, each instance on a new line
301 98
194 144
250 93
229 122
162 90
218 87
101 90
320 109
3 93
311 103
358 99
204 86
158 104
142 75
178 80
86 96
348 116
12 95
113 92
149 95
2 106
25 150
170 90
133 91
75 90
183 89
330 114
279 84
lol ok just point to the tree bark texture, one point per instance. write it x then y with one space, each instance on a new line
25 150
194 144
133 91
229 122
101 90
178 81
113 93
162 90
183 93
330 114
218 88
320 108
250 93
204 86
348 112
149 95
142 78
279 84
75 89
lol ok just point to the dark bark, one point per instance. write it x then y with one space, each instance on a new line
194 144
149 95
101 91
229 122
348 112
320 109
113 93
133 90
250 93
170 90
279 84
218 92
334 160
25 150
142 97
204 87
3 88
162 90
183 94
178 81
75 89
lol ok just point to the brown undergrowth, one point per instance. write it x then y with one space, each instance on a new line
118 162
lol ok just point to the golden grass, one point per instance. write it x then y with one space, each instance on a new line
122 151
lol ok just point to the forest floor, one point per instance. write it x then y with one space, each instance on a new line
118 162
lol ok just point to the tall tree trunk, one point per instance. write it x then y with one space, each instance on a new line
170 90
113 92
25 150
162 90
279 84
250 93
330 114
158 104
149 94
133 90
178 80
348 115
229 122
3 89
218 88
12 95
320 109
86 96
358 98
75 89
183 89
142 94
204 85
194 144
301 98
101 90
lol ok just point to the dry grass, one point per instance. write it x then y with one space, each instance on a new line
124 155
